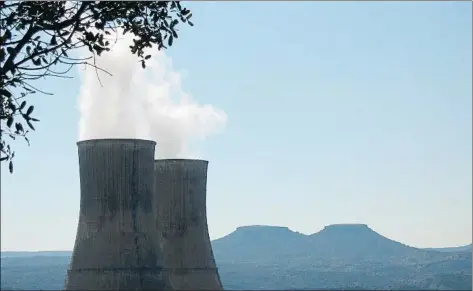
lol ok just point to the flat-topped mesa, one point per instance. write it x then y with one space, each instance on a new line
345 226
257 229
114 247
180 191
261 227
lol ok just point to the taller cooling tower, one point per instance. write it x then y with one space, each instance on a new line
181 190
115 246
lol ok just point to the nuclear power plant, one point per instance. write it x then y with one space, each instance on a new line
115 247
181 194
142 223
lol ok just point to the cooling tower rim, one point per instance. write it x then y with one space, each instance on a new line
181 160
116 141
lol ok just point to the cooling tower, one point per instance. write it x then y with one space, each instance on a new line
180 189
115 247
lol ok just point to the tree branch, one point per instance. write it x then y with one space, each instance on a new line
8 65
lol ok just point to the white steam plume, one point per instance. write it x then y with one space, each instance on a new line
143 103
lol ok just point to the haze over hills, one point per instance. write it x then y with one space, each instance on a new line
349 256
467 248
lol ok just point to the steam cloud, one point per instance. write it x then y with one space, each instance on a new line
143 103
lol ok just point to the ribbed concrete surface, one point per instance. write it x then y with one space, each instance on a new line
181 193
115 247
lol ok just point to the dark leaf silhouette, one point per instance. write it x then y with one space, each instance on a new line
53 40
30 124
5 93
19 127
30 110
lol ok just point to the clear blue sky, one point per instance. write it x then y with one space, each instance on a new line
337 112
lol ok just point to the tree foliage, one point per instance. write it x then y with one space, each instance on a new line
38 37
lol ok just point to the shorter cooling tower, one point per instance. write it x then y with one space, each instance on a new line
180 193
115 247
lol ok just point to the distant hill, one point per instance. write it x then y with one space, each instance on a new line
357 241
342 256
341 241
258 243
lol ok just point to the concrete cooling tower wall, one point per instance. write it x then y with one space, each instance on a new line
180 189
115 247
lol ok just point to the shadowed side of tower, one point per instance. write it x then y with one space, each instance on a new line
180 194
115 247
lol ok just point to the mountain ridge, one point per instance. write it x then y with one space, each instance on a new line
264 243
342 257
274 230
